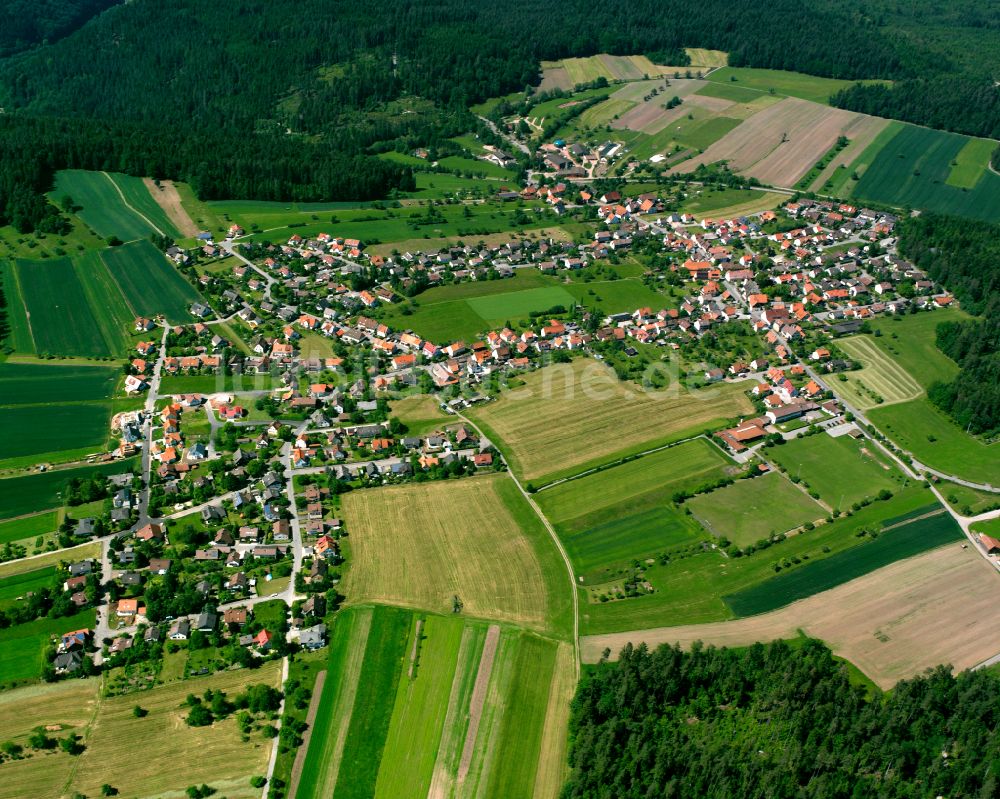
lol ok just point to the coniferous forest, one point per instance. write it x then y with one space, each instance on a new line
779 722
289 100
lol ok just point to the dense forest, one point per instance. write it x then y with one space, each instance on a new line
964 257
775 721
259 84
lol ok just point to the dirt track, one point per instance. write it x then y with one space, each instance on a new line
478 699
935 608
169 200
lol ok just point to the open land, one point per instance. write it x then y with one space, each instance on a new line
151 284
892 623
420 545
113 204
165 193
547 426
32 492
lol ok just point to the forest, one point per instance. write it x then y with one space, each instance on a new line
778 721
965 258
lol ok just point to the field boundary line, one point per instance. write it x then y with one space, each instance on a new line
116 283
478 700
128 205
20 293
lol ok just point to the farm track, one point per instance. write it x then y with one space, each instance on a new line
478 699
131 207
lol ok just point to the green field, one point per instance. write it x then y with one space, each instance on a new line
913 168
60 318
28 527
33 492
494 309
971 163
791 84
689 590
911 538
749 510
17 585
843 181
616 296
936 441
32 384
730 91
105 210
151 285
39 429
841 470
23 646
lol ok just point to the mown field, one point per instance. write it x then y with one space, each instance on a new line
105 198
213 755
791 84
421 545
570 417
689 589
908 539
420 413
841 470
16 586
892 623
612 517
914 167
151 285
749 510
23 646
39 491
465 709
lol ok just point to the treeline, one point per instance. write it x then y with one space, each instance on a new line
778 722
26 23
962 104
964 257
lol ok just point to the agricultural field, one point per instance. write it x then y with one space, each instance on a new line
892 623
843 181
451 707
213 755
726 203
150 283
913 169
59 318
113 204
420 413
23 646
880 381
35 383
689 589
749 510
40 491
790 84
971 163
836 173
166 195
611 517
28 527
39 430
570 72
14 587
447 313
615 296
840 469
701 57
416 545
547 427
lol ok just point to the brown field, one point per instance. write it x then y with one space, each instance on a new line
861 136
554 76
420 545
568 417
169 200
756 148
934 608
214 755
715 104
650 116
478 699
707 58
552 769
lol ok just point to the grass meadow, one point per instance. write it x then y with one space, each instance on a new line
104 210
40 491
151 284
28 527
790 84
23 646
15 586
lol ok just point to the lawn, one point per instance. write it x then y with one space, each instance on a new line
32 383
416 545
23 646
967 501
936 441
28 526
910 341
912 169
791 84
911 538
15 586
34 492
60 317
689 590
570 417
103 208
749 510
730 91
420 413
841 470
150 283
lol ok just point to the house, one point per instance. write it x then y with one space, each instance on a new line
206 621
262 640
314 637
235 616
991 544
159 565
180 630
68 662
86 528
127 607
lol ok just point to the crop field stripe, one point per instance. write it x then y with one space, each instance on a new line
326 745
380 674
111 308
149 282
552 755
20 338
524 718
972 162
912 538
456 719
411 747
477 700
